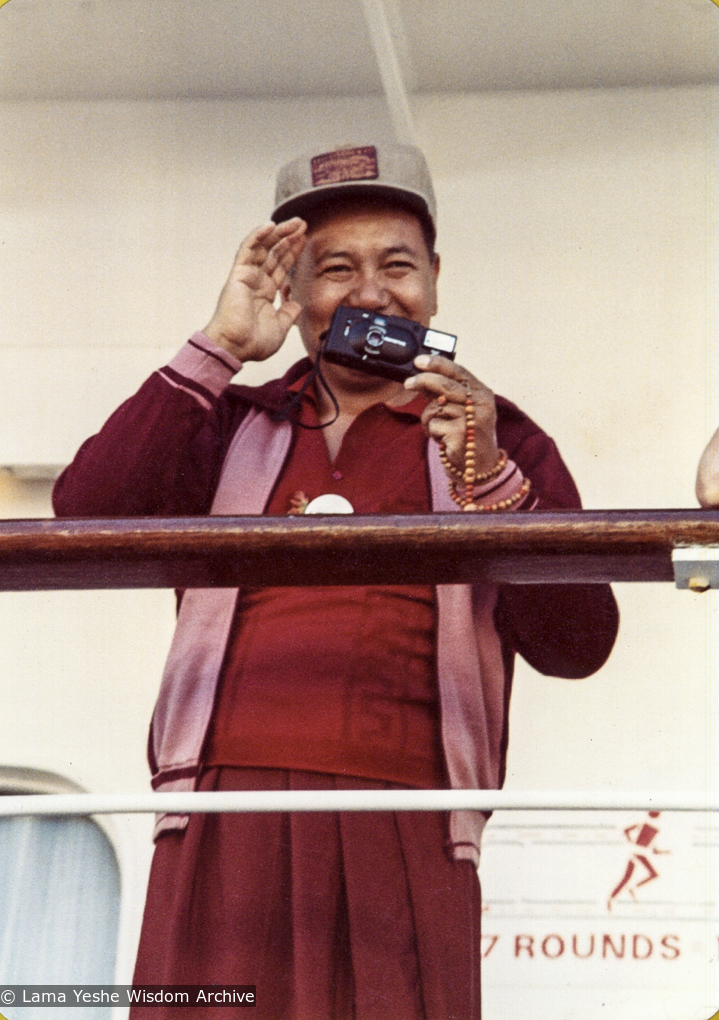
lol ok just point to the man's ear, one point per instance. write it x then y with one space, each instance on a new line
435 274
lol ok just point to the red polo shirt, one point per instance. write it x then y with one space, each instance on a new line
339 679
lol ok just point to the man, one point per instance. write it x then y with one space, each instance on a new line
707 485
353 915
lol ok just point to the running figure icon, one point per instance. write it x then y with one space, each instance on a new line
642 836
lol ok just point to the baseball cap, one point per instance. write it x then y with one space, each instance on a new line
389 171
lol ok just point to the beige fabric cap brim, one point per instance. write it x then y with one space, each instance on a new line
387 171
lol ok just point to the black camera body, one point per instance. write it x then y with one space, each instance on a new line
383 345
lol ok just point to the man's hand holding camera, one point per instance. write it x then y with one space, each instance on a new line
445 417
246 322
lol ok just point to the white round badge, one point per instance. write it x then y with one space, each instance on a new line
329 503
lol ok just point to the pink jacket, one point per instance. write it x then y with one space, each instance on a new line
133 454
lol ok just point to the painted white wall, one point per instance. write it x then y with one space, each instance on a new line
577 235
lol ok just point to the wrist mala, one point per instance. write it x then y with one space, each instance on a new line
468 477
478 479
467 502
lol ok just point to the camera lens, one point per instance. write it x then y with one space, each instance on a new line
375 337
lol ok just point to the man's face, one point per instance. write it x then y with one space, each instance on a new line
364 257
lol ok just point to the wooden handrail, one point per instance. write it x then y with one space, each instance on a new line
153 552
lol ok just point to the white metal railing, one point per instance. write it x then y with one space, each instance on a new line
356 800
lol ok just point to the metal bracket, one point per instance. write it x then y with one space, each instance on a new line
696 567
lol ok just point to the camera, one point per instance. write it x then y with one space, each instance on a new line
383 345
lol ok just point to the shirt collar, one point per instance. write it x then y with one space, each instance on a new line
413 408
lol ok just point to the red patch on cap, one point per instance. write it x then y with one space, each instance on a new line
358 164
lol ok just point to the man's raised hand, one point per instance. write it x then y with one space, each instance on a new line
246 321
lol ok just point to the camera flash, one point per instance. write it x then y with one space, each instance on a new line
443 342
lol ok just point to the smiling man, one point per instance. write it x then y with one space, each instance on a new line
333 916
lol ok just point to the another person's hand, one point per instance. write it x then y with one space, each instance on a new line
246 321
707 487
445 418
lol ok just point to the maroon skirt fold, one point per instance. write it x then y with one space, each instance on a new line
349 916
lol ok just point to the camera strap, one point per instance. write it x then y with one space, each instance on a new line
291 412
